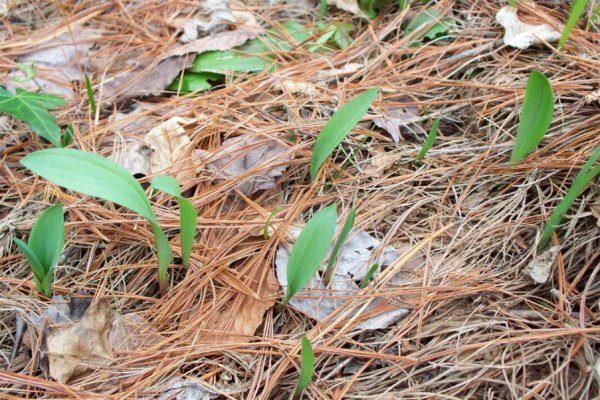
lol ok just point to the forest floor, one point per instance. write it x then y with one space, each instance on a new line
453 311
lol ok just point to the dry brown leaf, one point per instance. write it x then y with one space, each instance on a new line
81 345
239 155
335 73
540 267
135 158
395 118
296 87
132 332
218 41
522 35
382 162
348 5
244 314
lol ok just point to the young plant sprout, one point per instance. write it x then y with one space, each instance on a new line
44 247
338 247
429 141
307 367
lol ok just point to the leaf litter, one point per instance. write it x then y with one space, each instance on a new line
523 35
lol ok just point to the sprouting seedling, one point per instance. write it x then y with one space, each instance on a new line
575 12
338 247
67 137
90 94
32 108
538 109
368 276
266 235
336 129
583 178
97 176
188 217
429 141
44 247
310 250
307 367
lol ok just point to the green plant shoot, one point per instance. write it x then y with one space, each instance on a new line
90 94
29 70
307 367
583 178
538 109
429 141
97 176
577 7
310 250
348 224
266 235
336 129
44 247
32 108
368 276
188 217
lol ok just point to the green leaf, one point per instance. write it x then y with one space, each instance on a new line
310 249
348 224
431 18
229 61
90 94
577 7
39 272
536 116
188 217
369 275
67 137
48 237
307 366
336 129
28 69
97 176
342 35
266 235
32 108
194 82
430 140
583 178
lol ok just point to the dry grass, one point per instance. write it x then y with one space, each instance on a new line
478 327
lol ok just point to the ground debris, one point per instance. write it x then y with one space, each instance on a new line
348 5
399 117
540 267
522 35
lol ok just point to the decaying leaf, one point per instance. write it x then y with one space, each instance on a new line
135 158
244 314
336 73
58 61
132 332
540 267
253 157
348 5
395 118
296 87
355 259
381 162
82 345
521 34
181 389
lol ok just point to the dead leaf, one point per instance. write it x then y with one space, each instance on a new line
348 5
240 156
355 259
244 314
296 87
395 118
58 61
80 345
335 73
218 41
521 34
382 162
132 332
181 389
539 268
135 158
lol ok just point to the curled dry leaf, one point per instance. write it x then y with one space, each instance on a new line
348 5
521 34
61 59
356 257
296 87
258 158
215 16
395 118
540 267
381 162
82 345
132 332
336 73
135 158
243 314
181 389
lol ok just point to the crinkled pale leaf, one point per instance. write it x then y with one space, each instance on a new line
32 108
348 5
336 73
215 15
131 332
181 389
240 155
356 258
393 119
82 345
135 158
540 267
521 34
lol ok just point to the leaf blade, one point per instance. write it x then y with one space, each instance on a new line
307 366
348 224
336 129
431 136
47 237
575 12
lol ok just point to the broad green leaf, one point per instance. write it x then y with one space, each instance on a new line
431 18
229 61
307 366
310 250
34 263
188 216
336 129
338 247
194 82
32 108
583 178
538 108
48 236
90 94
430 140
577 7
97 176
369 275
